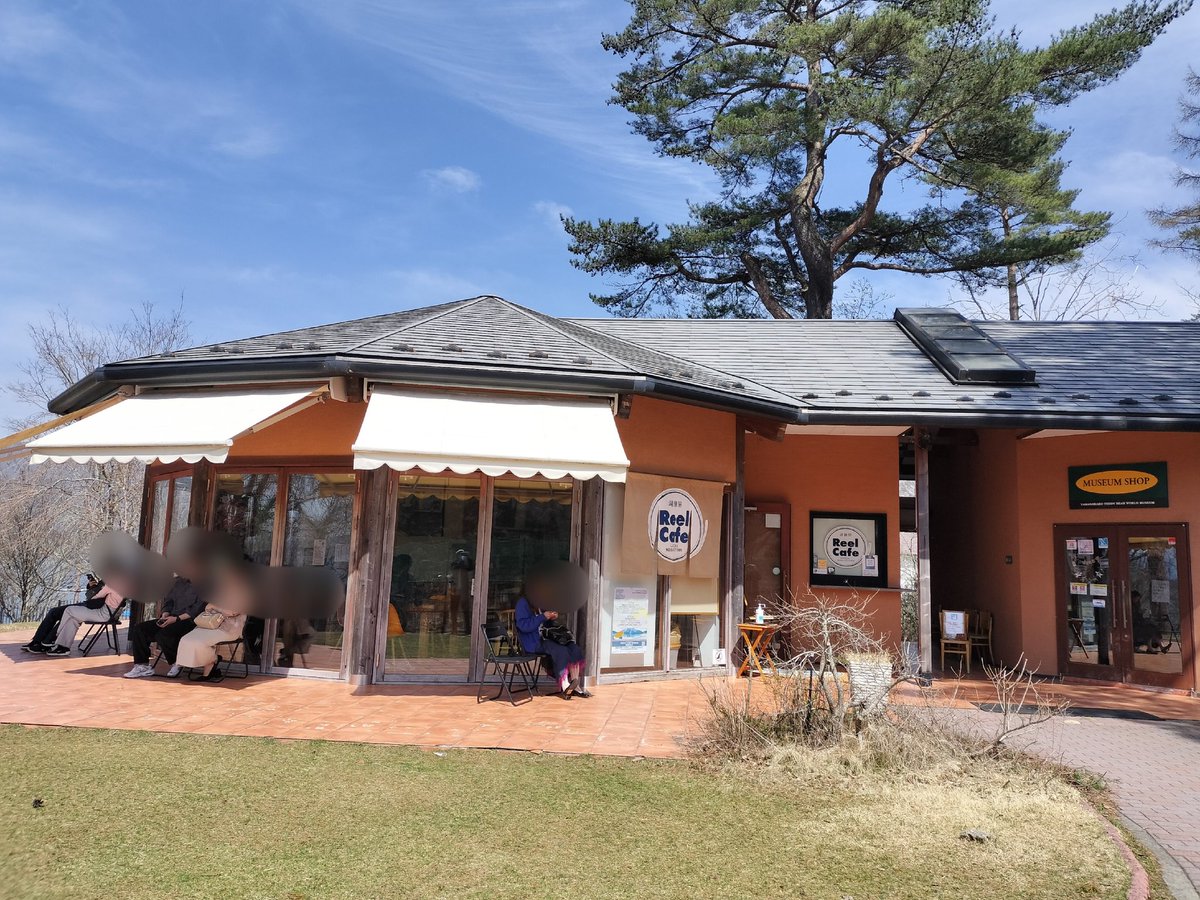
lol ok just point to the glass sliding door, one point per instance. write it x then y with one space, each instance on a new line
319 509
430 610
245 508
531 523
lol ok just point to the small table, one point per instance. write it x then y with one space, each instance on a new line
757 639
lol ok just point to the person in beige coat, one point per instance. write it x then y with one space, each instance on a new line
233 595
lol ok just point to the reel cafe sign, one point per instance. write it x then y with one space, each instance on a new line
676 525
1118 485
845 547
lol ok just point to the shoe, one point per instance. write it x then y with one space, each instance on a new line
174 671
59 650
33 648
140 670
215 676
582 692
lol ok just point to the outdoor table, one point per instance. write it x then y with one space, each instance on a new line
757 639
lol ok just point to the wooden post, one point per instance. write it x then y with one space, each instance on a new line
924 598
204 486
138 610
590 555
372 536
735 553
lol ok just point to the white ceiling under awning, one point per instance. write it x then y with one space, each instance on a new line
493 434
169 426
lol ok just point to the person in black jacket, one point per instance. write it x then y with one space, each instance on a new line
43 638
175 619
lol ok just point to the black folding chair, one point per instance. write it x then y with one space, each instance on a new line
502 656
229 661
108 629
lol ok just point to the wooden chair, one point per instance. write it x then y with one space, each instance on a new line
956 637
980 633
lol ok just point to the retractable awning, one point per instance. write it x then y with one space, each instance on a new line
169 426
492 434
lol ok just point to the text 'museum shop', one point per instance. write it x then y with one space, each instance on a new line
1039 477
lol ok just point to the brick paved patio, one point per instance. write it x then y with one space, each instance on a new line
644 719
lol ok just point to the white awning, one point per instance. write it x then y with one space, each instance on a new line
168 426
492 434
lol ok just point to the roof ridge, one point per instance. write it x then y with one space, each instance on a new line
683 361
445 311
555 325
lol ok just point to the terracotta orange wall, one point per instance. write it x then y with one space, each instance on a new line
817 472
326 430
664 438
1042 481
973 529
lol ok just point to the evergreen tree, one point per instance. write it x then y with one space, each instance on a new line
787 100
1183 222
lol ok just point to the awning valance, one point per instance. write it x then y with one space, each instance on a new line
493 434
168 426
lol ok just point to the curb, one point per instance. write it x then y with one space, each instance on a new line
1139 884
1177 879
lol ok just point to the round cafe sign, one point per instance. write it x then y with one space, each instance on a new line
676 526
845 547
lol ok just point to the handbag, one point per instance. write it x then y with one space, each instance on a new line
210 619
558 634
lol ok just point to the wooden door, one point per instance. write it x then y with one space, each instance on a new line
768 554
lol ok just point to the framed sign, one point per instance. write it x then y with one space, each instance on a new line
848 549
1118 485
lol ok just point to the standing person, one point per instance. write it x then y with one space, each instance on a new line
74 616
176 618
539 632
43 638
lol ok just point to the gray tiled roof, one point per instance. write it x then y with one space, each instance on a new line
1085 368
795 369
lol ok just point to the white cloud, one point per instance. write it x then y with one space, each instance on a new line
254 142
458 179
553 212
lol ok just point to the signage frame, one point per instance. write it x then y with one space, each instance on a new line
872 526
1116 488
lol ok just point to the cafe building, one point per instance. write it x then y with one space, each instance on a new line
430 457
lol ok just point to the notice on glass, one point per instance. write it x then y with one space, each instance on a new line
1160 591
631 620
870 566
1099 602
1072 544
1086 546
1099 590
318 557
1079 587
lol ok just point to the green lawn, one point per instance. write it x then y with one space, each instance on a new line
195 816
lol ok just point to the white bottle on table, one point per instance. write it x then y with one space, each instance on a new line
760 615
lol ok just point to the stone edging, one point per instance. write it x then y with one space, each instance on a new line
1139 884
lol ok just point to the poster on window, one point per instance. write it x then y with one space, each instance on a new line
630 620
849 549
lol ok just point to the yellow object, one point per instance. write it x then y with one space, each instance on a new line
395 629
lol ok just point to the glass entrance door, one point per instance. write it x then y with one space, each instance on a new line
1127 601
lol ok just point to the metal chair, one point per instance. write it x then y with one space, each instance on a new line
107 628
229 662
502 655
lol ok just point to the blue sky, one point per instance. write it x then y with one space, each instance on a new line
286 163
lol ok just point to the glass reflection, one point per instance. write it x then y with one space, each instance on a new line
319 512
433 576
1154 604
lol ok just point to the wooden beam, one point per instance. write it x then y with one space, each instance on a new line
733 607
924 595
204 486
33 431
372 536
590 558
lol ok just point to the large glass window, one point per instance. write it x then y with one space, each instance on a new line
317 533
170 502
531 522
433 576
245 508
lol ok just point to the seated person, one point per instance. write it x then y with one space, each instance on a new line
233 592
175 619
566 659
74 616
43 637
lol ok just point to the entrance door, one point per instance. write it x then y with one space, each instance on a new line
1125 603
768 546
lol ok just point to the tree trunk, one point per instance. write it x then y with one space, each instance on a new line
818 263
1014 299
